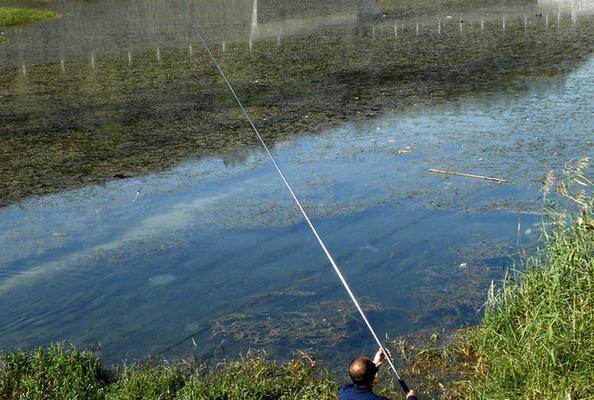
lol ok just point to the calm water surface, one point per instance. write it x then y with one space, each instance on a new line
213 248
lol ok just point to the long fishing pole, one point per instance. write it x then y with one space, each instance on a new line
296 199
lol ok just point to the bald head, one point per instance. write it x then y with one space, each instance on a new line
362 371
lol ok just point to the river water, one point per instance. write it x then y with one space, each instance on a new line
201 240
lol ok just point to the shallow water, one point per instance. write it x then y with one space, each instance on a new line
213 248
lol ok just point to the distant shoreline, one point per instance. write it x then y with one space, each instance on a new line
18 16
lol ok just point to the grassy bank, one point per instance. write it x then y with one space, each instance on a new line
17 16
60 373
537 338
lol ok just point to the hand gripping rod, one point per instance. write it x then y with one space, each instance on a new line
289 187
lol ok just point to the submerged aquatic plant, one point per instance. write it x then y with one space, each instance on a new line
118 119
320 324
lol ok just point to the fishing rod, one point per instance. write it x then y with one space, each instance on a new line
296 199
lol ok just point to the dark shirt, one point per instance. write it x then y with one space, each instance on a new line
349 391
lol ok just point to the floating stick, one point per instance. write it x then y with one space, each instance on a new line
489 178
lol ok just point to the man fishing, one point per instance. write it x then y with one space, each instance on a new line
362 371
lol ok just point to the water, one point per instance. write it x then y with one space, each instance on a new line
202 241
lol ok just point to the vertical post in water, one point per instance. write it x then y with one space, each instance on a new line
503 22
395 30
439 27
92 60
254 24
129 58
482 24
417 30
158 54
62 66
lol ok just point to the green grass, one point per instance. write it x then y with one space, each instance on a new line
57 373
537 337
51 373
17 16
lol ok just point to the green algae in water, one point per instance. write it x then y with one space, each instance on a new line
94 123
318 324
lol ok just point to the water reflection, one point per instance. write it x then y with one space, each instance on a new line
293 24
110 26
574 7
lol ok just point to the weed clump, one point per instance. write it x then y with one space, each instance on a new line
58 373
52 373
151 381
257 378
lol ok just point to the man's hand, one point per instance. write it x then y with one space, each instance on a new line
411 395
380 357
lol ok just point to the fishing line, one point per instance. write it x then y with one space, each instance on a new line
296 199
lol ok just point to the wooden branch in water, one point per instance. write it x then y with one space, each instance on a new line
489 178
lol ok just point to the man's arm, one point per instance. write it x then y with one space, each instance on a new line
412 395
380 358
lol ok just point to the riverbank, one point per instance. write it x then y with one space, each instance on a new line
60 373
535 341
18 16
410 8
